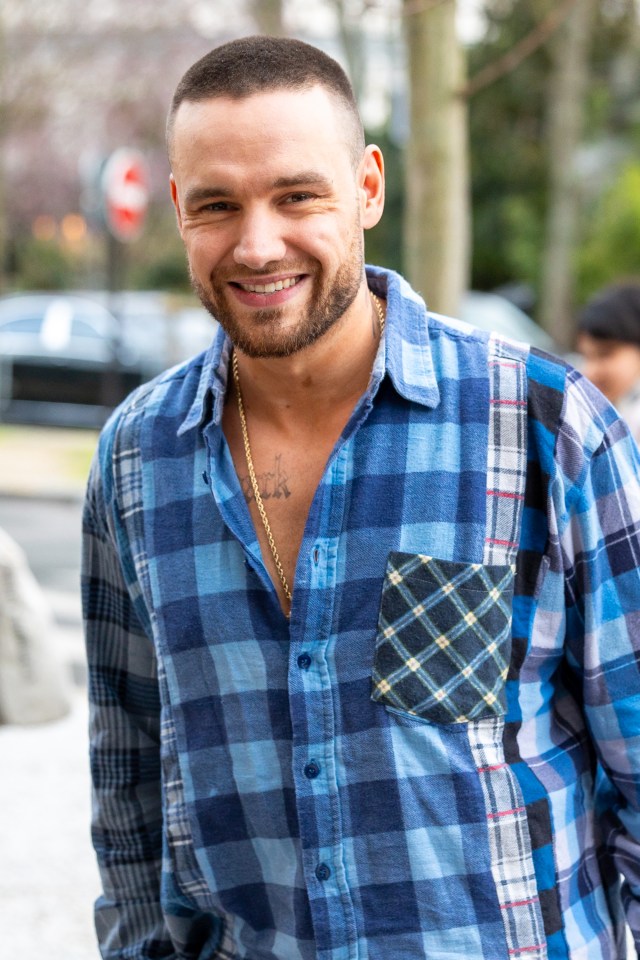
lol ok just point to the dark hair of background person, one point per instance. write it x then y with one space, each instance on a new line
613 314
251 65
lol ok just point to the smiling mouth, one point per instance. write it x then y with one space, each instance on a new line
267 287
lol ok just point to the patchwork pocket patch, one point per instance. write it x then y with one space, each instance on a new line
444 638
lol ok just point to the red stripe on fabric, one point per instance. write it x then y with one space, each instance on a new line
508 403
515 950
518 903
497 766
502 543
500 493
505 813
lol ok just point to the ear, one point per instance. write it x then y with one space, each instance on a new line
371 186
176 201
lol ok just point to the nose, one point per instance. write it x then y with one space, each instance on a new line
260 241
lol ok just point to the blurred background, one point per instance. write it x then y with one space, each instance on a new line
510 130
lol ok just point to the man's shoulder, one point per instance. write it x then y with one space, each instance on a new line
573 426
148 418
170 396
560 401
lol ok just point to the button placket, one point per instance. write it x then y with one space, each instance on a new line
313 704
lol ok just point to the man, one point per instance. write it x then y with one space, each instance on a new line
361 588
609 341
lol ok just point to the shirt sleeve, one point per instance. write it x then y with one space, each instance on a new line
597 495
124 749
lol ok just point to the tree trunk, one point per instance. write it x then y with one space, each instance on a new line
567 92
437 216
352 39
268 17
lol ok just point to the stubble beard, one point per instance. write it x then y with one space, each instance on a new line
264 338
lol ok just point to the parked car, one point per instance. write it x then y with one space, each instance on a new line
64 359
492 312
69 358
158 328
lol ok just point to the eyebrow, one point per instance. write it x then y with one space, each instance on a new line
308 178
197 194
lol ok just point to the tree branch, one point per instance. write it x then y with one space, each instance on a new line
523 49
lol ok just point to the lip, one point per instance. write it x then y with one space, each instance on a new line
252 298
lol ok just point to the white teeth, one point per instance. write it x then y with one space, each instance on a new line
270 287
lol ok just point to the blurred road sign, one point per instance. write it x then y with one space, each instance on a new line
125 188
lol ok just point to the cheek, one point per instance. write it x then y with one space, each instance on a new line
615 375
204 250
600 371
629 370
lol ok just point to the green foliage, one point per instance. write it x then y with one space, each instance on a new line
168 272
157 260
40 265
509 157
612 236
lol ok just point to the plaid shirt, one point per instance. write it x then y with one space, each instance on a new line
436 756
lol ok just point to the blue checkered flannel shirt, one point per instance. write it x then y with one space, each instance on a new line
439 755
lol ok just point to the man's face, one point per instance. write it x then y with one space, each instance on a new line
613 365
271 212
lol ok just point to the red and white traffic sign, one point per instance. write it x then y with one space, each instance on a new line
125 188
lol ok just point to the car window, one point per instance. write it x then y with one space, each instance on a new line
82 328
22 325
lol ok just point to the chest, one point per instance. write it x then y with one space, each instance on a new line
279 472
402 480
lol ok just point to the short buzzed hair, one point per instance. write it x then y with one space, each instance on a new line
252 65
613 313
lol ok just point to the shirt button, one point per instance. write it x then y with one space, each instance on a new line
311 770
304 661
323 872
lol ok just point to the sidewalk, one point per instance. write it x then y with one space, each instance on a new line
48 875
45 461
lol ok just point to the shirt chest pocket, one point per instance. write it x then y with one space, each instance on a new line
444 638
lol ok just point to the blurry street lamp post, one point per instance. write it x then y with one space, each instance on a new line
125 193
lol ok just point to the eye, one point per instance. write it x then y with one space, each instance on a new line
217 206
299 197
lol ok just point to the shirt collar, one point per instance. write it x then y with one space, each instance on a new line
408 358
407 353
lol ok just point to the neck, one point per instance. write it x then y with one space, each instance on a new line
332 372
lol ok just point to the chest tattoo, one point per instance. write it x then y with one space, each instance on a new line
272 484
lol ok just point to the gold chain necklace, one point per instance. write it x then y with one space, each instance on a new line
249 459
379 311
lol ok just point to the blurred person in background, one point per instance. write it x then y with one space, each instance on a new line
361 588
609 343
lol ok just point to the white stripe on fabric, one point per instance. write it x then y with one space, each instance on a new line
507 449
509 840
509 843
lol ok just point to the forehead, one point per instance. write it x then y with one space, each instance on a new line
265 126
604 347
